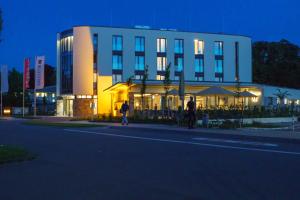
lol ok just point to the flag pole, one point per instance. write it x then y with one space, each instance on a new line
23 90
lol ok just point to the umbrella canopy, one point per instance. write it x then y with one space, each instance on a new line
215 91
247 94
173 92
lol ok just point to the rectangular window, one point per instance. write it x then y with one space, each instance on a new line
237 76
179 64
161 63
178 46
199 47
139 62
161 45
139 44
117 62
218 49
199 78
199 65
117 78
117 43
219 66
160 77
139 77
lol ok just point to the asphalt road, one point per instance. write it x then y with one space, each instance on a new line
141 164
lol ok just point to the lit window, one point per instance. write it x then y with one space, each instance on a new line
199 78
178 46
160 77
199 47
139 77
161 63
161 45
139 44
117 43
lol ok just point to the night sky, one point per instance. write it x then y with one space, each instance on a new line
30 26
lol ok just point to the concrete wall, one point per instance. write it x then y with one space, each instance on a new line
82 61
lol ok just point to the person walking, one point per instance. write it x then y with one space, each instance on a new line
123 110
191 113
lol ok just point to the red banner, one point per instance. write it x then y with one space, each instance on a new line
26 74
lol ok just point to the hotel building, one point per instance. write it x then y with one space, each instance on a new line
94 64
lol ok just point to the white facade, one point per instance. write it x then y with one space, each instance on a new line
82 37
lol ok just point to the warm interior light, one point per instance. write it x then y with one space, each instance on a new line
6 111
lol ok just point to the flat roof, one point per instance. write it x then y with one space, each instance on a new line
158 29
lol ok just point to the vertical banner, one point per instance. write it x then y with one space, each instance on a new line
4 79
26 74
39 72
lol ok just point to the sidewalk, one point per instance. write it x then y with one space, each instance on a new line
283 134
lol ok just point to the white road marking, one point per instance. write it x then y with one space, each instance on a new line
185 142
236 142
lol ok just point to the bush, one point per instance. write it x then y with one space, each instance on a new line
228 124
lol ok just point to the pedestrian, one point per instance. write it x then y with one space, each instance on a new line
191 113
123 111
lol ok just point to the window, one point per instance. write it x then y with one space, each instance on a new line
199 65
179 64
237 76
199 47
161 45
117 62
178 46
117 43
117 78
199 78
139 77
219 48
139 44
219 79
95 42
139 62
218 66
160 77
161 63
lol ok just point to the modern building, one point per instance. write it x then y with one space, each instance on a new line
94 64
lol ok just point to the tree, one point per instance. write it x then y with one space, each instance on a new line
281 95
167 83
14 95
50 76
276 63
144 85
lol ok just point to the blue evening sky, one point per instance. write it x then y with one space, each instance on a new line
30 26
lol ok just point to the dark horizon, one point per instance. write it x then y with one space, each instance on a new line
34 32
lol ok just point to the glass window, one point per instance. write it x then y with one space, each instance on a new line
179 64
117 62
139 62
199 78
199 47
139 77
199 65
117 43
161 63
218 48
161 45
117 78
178 46
218 66
160 77
219 79
139 44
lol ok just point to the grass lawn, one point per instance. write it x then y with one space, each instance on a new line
14 154
60 124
